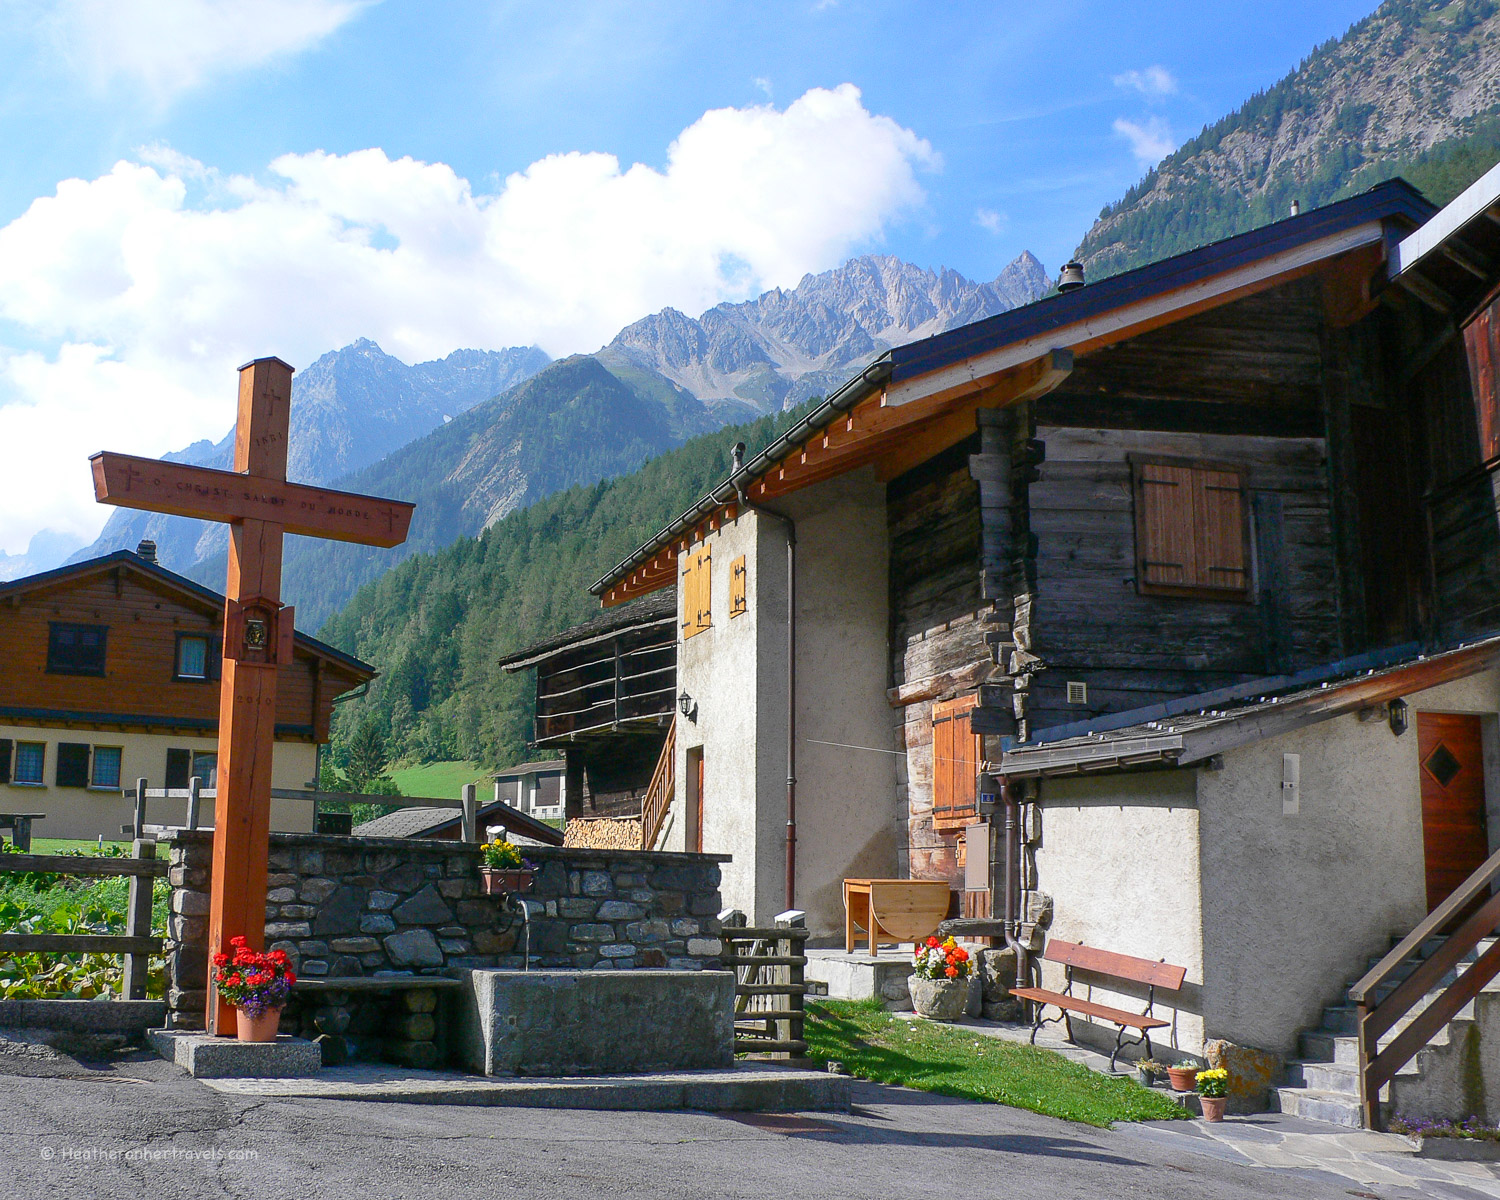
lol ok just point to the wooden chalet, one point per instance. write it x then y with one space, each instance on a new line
109 672
1200 504
606 692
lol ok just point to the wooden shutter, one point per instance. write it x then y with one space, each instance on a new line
1190 529
179 766
5 751
72 765
697 576
955 764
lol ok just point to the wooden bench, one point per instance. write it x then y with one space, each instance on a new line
892 911
1071 955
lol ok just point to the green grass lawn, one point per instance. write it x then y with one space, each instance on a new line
41 845
953 1061
440 780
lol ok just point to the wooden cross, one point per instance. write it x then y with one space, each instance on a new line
259 506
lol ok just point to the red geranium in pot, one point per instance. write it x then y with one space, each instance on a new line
257 983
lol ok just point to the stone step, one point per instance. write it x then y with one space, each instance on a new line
1318 1045
1342 1078
1333 1107
1340 1019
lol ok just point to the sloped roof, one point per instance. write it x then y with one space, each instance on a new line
654 608
425 822
1079 317
188 590
1195 728
531 768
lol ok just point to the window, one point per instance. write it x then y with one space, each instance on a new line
738 604
192 656
206 768
72 765
7 751
75 649
955 764
1191 531
31 759
697 576
106 770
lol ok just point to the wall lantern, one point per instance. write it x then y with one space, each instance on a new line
1400 716
688 706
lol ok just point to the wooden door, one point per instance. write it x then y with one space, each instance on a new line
696 772
1450 751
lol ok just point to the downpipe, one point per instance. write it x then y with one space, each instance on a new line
737 456
1013 880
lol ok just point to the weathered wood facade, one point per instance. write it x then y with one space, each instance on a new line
605 694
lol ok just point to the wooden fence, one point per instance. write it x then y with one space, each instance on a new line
136 944
769 987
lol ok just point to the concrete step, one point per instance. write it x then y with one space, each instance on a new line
1318 1045
1333 1107
1340 1019
1323 1077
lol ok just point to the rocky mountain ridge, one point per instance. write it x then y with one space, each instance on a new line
1411 76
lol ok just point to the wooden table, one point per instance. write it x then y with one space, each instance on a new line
19 825
892 911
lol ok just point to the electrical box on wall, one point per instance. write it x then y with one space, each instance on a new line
1291 784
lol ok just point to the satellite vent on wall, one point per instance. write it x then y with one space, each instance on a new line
1078 692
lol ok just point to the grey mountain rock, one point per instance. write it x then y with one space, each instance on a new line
351 408
785 346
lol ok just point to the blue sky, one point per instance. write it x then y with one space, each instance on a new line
240 184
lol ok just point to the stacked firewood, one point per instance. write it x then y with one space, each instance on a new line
603 833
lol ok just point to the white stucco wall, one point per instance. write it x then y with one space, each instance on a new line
1272 914
736 671
1119 855
1295 905
87 812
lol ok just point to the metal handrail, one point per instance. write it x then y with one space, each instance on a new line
1378 1067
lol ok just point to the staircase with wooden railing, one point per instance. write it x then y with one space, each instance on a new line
1417 989
659 795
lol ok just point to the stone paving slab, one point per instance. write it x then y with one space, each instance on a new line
747 1088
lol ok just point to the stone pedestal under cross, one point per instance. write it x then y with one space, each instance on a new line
259 506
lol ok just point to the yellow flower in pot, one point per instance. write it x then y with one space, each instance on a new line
1213 1092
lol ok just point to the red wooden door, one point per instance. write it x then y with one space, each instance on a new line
1450 750
698 802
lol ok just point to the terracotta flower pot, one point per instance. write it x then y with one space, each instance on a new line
495 882
939 999
1213 1107
257 1029
1184 1079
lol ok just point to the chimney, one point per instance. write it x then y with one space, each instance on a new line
737 458
1296 208
147 550
1070 278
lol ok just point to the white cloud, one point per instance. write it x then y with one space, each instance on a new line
137 294
169 46
994 222
1153 81
1150 140
762 85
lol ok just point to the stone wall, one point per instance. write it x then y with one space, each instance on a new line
350 906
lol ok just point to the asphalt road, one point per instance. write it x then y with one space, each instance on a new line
139 1128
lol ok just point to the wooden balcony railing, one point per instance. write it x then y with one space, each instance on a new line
1376 1017
659 795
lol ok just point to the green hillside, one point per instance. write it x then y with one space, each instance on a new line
437 624
1412 90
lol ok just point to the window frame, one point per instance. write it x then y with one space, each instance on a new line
54 668
94 784
1196 521
208 667
41 774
